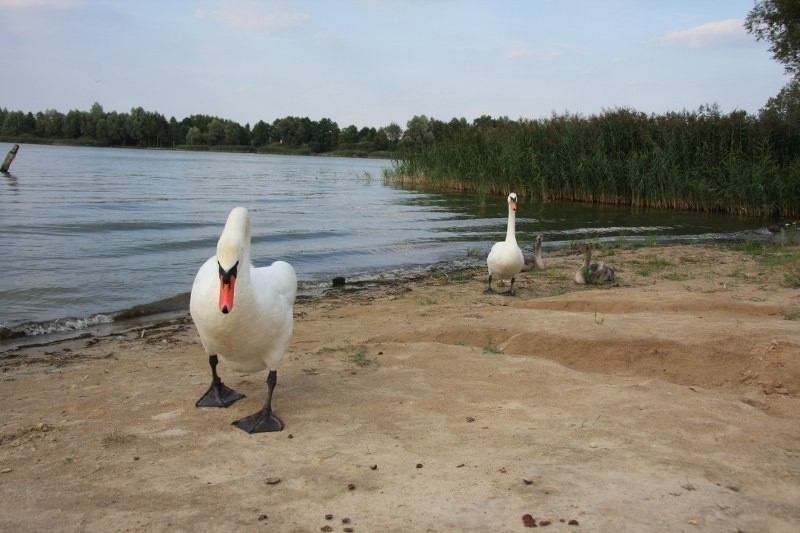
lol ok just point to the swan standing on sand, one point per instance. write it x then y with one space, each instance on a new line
505 260
593 273
535 261
244 316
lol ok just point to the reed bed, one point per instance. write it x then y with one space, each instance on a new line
702 161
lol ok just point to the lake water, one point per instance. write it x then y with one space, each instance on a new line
88 232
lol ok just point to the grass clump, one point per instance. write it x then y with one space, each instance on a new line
791 278
779 259
750 247
356 355
553 272
115 438
360 357
653 265
678 276
459 275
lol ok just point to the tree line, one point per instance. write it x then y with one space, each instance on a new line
149 129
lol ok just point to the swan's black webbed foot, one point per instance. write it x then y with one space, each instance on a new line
263 420
260 422
218 395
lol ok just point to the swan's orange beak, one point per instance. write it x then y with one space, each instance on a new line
513 205
226 294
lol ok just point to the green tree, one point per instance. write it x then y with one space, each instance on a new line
215 132
231 133
115 128
784 106
16 123
176 132
156 128
194 136
244 134
93 123
349 135
418 133
380 141
135 126
261 134
292 131
324 135
72 124
101 131
366 134
778 21
393 134
780 119
49 123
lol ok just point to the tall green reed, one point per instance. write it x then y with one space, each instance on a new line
700 160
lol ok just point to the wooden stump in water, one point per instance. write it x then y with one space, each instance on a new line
9 158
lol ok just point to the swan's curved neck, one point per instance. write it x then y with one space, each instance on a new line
234 244
512 227
588 258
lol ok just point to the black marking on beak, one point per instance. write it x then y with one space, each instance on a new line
225 276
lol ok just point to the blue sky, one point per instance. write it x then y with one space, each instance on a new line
373 62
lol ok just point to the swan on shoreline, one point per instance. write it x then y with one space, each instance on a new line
244 316
505 260
593 273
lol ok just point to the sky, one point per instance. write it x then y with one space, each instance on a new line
373 62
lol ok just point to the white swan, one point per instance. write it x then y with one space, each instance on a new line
505 260
535 261
593 273
243 315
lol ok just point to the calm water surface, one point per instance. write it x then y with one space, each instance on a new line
87 232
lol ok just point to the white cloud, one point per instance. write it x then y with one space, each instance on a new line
253 16
707 34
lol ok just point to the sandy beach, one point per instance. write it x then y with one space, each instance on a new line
668 402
